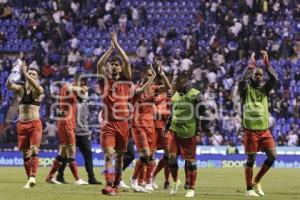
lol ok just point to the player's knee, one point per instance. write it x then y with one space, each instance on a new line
145 153
172 160
270 161
26 153
173 166
250 163
151 158
191 166
61 159
144 159
109 156
166 158
34 151
130 155
63 151
69 160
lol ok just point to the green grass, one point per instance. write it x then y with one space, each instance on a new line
218 184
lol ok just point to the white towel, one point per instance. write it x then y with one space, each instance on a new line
16 73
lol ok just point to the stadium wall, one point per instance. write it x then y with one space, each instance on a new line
287 158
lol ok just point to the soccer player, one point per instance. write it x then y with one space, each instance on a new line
185 123
143 125
29 127
162 112
257 136
66 130
115 86
83 140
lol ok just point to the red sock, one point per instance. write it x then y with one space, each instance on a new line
142 175
186 173
263 170
74 169
118 177
109 177
167 173
248 175
174 171
150 168
27 166
56 165
34 165
192 175
161 164
139 166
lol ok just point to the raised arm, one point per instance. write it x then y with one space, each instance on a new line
14 87
125 58
273 76
102 61
79 90
167 85
203 116
244 81
32 82
147 84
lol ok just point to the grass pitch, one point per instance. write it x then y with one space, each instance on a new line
217 184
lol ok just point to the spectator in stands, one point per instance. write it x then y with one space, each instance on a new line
292 139
280 140
216 139
142 52
232 149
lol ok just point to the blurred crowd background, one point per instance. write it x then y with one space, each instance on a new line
211 40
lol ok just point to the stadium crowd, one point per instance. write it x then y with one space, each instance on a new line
210 40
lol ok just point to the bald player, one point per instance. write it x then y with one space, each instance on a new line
254 93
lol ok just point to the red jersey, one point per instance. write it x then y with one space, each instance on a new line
115 100
68 105
162 110
143 113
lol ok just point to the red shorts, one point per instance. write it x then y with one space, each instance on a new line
66 133
255 141
186 147
29 134
162 142
144 137
115 134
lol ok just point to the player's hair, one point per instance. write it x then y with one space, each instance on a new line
34 68
78 77
116 59
181 80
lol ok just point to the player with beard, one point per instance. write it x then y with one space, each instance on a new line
254 93
115 77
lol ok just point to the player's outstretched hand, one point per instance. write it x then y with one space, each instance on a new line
114 37
24 67
252 63
265 58
112 45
